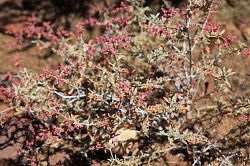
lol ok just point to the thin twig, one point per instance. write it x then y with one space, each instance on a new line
7 109
203 27
69 97
189 51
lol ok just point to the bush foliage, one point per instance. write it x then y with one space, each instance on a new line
137 91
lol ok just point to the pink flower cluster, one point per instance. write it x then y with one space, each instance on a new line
142 97
212 27
59 74
228 40
244 117
91 50
246 52
120 40
128 72
110 44
79 28
169 13
56 131
159 31
108 49
122 21
8 94
54 113
43 135
96 147
69 126
44 31
123 7
123 88
29 144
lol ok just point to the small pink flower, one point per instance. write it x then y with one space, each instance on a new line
109 48
244 117
169 13
142 97
123 88
212 27
122 21
228 40
91 51
159 31
123 7
79 28
246 52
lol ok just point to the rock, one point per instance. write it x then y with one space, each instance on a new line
246 33
125 141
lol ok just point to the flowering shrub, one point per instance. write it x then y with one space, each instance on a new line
143 81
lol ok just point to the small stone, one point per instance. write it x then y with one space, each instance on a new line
44 163
246 33
124 142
